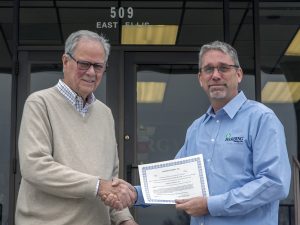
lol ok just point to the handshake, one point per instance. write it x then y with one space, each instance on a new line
117 193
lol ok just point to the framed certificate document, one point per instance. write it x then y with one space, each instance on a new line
164 182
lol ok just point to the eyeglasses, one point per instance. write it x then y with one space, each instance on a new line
209 70
84 65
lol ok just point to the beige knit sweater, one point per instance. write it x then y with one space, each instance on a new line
62 155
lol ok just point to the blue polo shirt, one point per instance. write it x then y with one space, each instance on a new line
246 162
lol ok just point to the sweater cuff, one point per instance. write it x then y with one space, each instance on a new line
118 217
90 188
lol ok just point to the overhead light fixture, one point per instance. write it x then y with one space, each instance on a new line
149 34
294 47
281 92
150 92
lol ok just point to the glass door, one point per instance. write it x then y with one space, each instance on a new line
162 98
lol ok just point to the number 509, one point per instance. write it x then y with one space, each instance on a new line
120 12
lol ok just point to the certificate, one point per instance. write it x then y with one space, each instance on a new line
163 182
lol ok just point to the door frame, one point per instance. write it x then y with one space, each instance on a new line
129 137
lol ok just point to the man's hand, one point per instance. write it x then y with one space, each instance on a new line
117 194
128 222
194 206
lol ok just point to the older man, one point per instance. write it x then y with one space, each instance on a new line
67 146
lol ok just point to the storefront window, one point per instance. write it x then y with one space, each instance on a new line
280 80
5 115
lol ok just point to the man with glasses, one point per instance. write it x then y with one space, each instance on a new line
67 146
243 146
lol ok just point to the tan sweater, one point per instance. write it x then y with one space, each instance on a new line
62 155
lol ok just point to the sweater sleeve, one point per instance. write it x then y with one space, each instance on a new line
36 162
119 216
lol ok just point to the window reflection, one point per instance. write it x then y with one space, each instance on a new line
280 81
162 125
5 107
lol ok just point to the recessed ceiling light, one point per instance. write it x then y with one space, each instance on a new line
294 47
281 92
149 34
150 92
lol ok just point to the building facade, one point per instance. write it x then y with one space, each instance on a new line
151 80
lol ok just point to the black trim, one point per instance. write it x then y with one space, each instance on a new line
256 38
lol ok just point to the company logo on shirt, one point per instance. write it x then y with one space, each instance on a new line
229 138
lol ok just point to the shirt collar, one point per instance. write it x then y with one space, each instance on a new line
74 98
63 87
66 91
231 108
